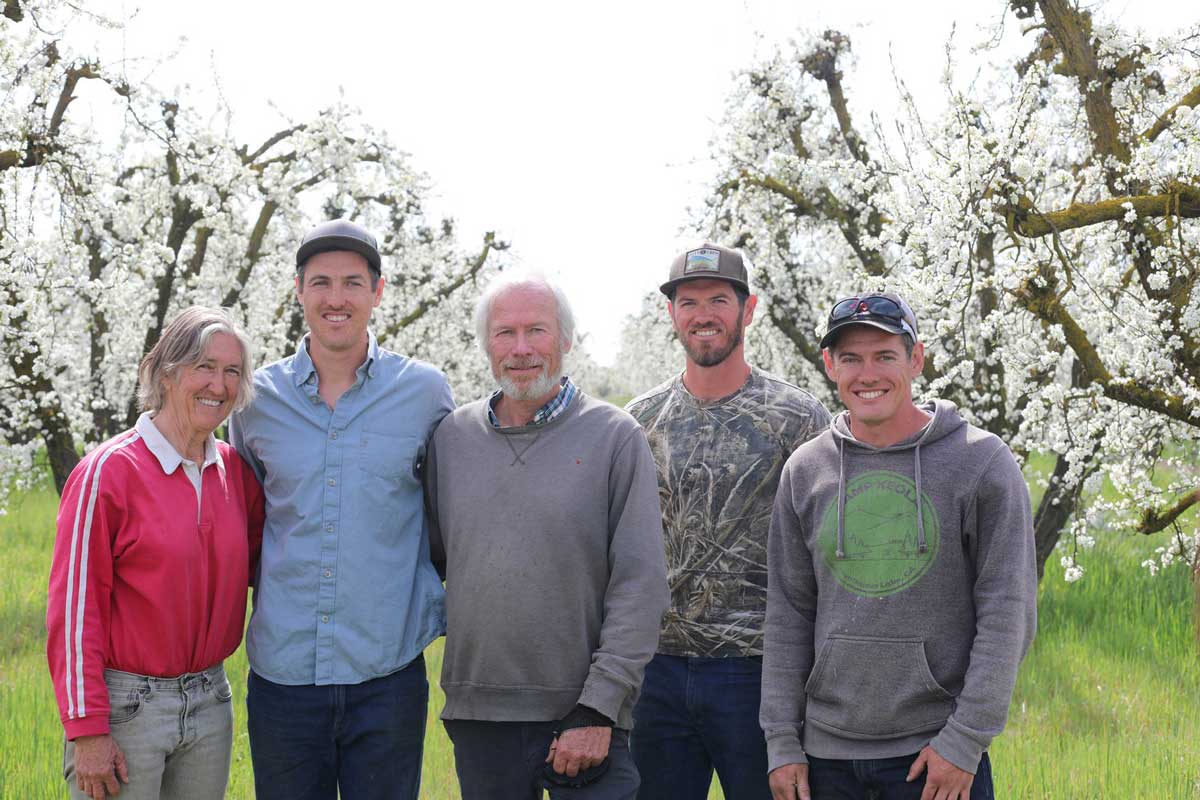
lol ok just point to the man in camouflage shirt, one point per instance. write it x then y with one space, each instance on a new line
720 434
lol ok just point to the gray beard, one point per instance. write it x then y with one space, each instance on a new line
539 387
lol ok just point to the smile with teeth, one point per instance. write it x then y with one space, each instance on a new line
339 317
871 394
705 333
204 401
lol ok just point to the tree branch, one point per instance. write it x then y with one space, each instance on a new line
476 264
1045 303
1155 520
1183 201
1190 100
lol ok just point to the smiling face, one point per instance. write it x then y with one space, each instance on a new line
874 378
199 397
709 320
337 297
524 343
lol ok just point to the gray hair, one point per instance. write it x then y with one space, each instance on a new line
506 281
182 344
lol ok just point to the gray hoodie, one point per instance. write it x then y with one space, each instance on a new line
902 595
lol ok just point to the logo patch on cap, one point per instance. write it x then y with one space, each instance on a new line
703 260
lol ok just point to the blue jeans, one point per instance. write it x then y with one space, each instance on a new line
694 715
366 739
176 734
881 779
504 761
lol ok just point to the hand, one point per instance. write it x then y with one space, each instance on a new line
99 762
579 748
944 780
789 782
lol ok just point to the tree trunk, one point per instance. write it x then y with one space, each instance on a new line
1052 516
60 450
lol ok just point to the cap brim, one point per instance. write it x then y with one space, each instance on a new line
669 286
831 334
329 244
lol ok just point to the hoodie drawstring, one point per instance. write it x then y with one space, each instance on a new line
841 531
921 546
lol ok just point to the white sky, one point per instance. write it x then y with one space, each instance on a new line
580 133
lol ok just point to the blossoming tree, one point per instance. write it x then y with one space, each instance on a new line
1044 226
108 230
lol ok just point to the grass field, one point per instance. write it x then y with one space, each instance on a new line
1107 706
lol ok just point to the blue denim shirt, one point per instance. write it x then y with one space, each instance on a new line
345 590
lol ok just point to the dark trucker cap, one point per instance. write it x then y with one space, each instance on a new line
708 261
340 234
886 311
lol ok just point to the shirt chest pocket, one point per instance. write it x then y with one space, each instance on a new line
392 458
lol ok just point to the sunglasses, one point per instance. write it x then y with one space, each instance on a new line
869 304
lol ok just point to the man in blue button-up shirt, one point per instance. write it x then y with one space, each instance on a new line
346 598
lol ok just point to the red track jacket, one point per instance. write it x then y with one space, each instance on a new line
137 584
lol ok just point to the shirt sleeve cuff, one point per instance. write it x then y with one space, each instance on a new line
784 749
86 726
958 747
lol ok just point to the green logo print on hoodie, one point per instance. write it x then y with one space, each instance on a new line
882 555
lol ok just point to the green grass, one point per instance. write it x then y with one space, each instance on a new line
1107 704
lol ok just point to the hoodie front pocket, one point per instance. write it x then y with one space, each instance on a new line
871 688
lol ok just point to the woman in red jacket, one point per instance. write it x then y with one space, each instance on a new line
159 530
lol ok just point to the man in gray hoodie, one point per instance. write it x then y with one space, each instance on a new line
546 519
902 586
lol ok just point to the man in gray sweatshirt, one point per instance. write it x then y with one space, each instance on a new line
546 521
902 586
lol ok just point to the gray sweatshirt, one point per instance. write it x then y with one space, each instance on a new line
902 595
555 577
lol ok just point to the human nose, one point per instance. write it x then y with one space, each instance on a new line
521 344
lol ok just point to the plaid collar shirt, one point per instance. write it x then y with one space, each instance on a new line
558 404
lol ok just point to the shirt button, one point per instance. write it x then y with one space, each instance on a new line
333 482
328 573
329 527
333 435
325 618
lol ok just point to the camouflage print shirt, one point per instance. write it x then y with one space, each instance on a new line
718 468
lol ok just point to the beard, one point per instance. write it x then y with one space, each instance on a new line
537 388
711 355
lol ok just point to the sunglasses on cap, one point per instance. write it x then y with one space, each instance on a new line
868 304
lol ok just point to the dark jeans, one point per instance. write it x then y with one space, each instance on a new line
694 715
881 779
307 742
503 761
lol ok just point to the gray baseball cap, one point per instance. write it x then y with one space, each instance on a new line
708 261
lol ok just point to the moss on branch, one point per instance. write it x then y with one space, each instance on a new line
1182 201
1155 520
1039 296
